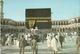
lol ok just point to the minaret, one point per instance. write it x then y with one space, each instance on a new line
1 8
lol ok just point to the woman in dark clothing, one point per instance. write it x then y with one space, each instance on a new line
34 45
61 40
22 44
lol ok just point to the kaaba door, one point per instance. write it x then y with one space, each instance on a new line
31 23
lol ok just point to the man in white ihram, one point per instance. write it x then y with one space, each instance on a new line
54 43
48 40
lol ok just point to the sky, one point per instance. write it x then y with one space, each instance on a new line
61 9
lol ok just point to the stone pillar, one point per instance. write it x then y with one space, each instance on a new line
1 9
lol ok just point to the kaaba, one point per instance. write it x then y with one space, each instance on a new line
38 17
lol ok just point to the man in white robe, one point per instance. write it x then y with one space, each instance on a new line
48 39
54 44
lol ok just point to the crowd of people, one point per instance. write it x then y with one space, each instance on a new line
54 40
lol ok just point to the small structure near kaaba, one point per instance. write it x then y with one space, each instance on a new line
40 17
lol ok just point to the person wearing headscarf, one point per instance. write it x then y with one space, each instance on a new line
22 44
34 45
61 40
